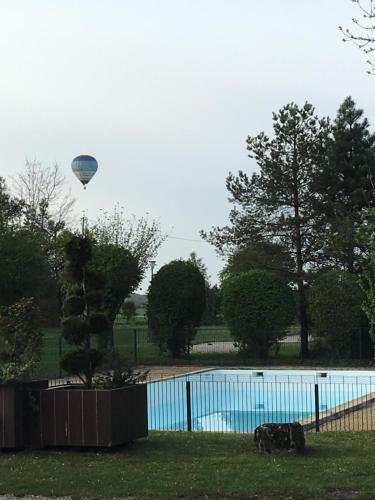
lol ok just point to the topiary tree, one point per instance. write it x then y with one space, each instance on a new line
20 340
176 303
84 315
258 307
129 309
336 300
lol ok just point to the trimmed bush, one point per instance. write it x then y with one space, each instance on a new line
74 305
75 330
82 362
78 250
176 303
258 307
85 319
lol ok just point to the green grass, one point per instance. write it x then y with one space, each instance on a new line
149 354
169 465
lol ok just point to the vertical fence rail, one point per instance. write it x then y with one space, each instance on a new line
317 416
188 406
229 405
135 346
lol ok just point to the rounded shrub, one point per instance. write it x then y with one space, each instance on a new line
78 250
74 305
72 272
82 361
75 330
176 303
99 323
258 307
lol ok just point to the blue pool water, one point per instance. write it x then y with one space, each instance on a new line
240 400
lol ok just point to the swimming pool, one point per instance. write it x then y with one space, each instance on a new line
240 400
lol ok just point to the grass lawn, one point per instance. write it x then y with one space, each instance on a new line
336 465
149 354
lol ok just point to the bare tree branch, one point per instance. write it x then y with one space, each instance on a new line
364 41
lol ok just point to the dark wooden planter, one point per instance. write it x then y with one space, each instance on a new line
19 415
93 418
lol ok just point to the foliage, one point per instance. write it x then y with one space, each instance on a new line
86 317
24 268
265 255
120 375
212 312
200 265
128 309
364 38
279 204
368 282
176 304
122 274
20 340
83 363
258 307
140 236
211 315
336 299
345 187
11 209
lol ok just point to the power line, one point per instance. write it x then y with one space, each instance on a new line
185 239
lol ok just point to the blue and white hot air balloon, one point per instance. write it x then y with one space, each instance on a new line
84 168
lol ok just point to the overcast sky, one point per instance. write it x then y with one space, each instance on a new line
164 93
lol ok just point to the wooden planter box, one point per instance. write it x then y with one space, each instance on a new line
19 415
93 418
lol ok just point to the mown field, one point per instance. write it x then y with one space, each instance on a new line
198 465
137 348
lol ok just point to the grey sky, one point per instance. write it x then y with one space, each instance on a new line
163 93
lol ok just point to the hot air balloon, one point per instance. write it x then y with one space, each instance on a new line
84 168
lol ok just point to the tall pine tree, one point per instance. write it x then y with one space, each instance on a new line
278 204
346 186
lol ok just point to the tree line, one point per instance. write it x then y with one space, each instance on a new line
307 208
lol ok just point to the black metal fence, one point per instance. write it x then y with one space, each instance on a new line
211 346
230 404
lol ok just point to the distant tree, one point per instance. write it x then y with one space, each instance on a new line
260 255
200 265
141 236
84 312
345 187
176 303
122 274
11 208
128 309
21 340
336 300
24 268
364 37
211 315
212 312
279 204
46 195
258 307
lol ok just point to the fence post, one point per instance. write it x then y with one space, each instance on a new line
135 342
188 406
317 423
60 355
